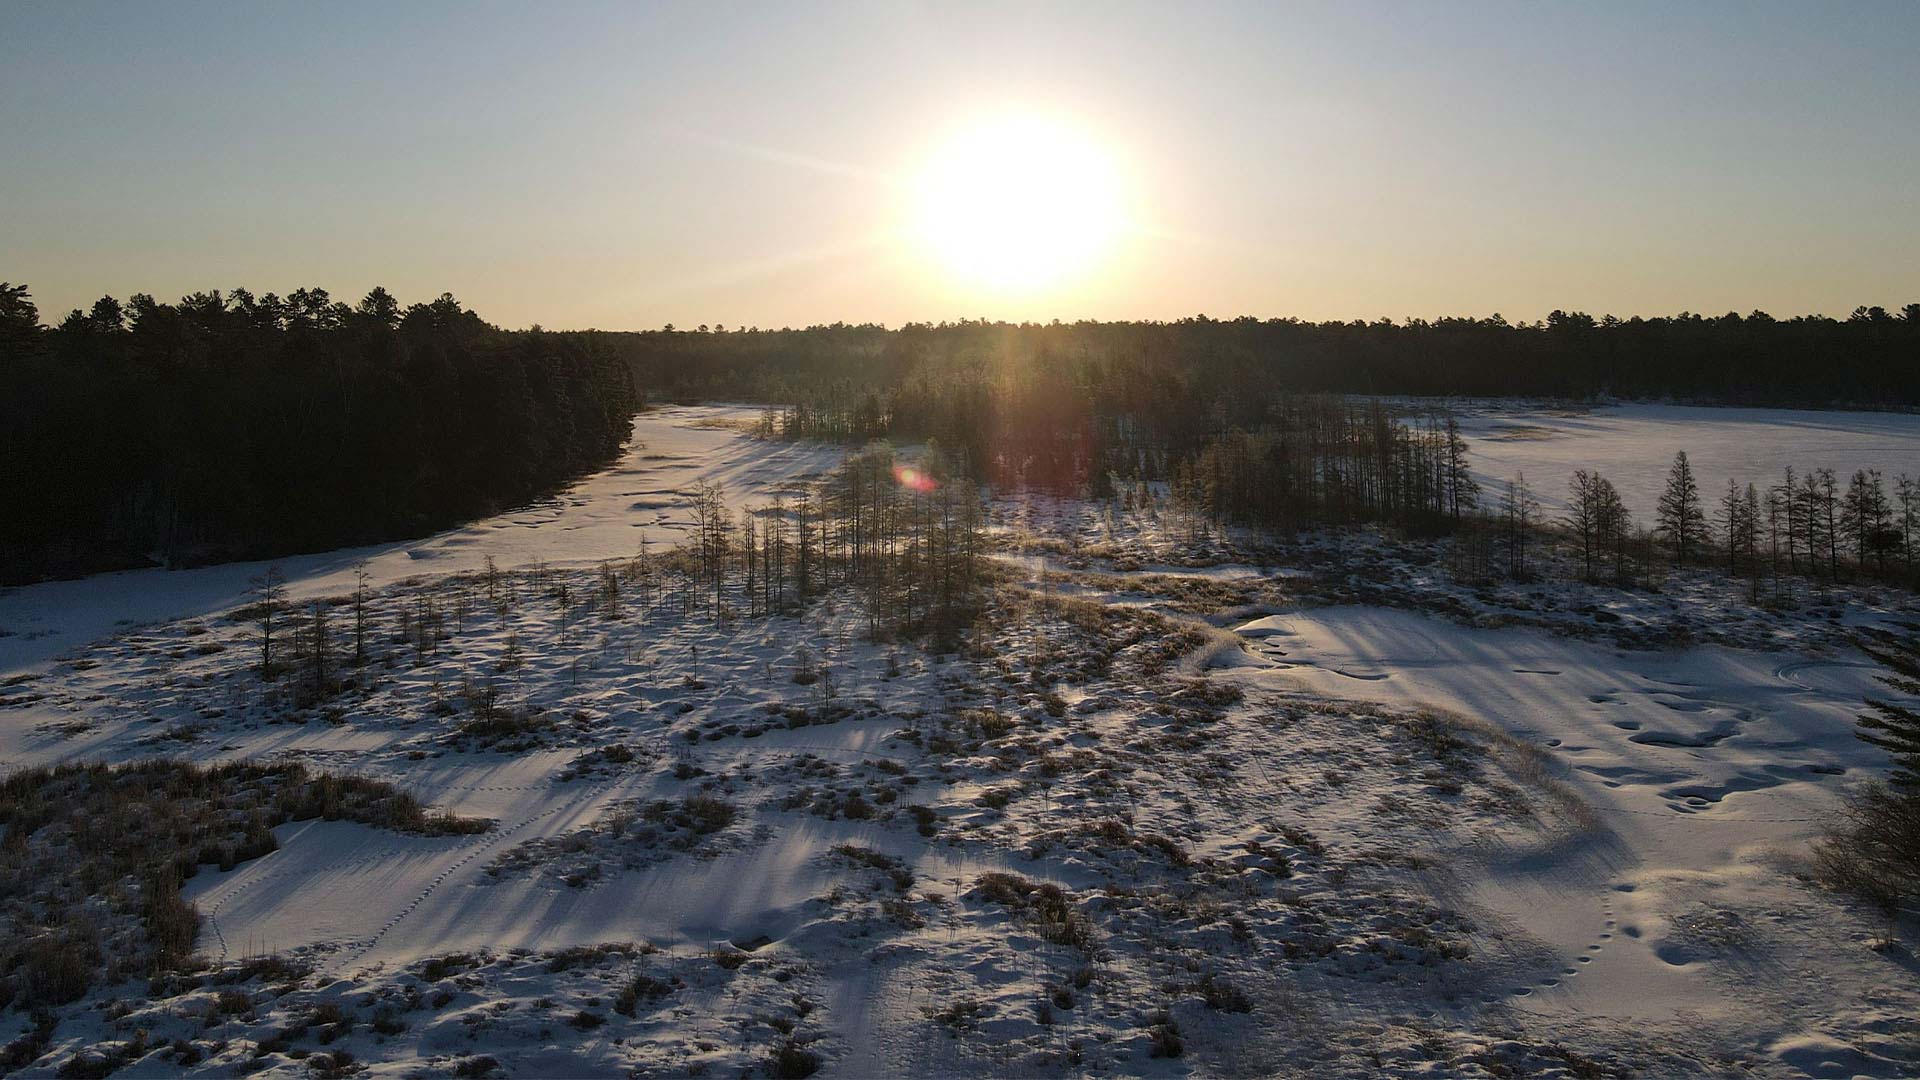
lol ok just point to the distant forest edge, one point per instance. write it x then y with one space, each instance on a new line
1870 359
235 427
231 426
1047 404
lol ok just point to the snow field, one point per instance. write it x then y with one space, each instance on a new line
1170 795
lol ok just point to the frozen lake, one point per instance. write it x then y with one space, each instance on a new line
1633 445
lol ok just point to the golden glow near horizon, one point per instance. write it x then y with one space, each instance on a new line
1018 204
787 165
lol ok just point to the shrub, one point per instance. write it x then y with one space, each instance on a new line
959 1015
436 968
792 1061
1163 1036
56 968
31 1044
706 813
1871 850
1224 996
926 819
1046 904
641 988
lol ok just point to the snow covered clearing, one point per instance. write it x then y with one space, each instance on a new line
1699 764
1175 805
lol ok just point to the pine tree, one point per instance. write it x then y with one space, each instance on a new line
1787 511
1732 507
1872 848
1907 495
1678 515
1895 726
1829 510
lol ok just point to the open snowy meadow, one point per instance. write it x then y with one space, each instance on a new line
1176 804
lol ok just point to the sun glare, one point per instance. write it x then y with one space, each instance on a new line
1019 204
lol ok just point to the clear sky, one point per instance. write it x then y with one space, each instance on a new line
629 165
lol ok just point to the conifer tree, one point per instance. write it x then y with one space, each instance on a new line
1894 726
1678 515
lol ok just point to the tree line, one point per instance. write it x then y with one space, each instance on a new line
230 426
1805 524
1866 358
1320 460
1042 404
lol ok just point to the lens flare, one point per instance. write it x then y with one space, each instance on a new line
913 479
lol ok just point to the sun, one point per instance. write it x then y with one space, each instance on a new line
1019 203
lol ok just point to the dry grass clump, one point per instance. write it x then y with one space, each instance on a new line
642 989
1112 834
1163 1034
698 814
791 1060
1047 905
901 877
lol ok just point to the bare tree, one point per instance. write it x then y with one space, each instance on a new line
1599 520
1462 492
269 601
1519 517
360 579
1614 522
713 529
319 651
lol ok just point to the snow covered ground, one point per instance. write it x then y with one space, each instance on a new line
1633 445
1702 764
1167 812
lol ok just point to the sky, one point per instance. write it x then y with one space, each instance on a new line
628 165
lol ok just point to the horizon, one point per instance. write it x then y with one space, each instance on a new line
624 169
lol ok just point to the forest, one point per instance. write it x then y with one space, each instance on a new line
1865 359
233 426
